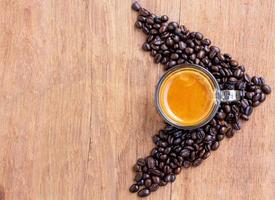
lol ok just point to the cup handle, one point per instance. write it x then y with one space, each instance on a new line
231 95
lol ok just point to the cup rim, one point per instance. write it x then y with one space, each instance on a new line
175 68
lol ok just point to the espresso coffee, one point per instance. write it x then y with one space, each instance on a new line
187 96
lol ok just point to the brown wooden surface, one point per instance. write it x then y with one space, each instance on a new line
76 100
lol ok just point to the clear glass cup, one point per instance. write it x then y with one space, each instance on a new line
220 96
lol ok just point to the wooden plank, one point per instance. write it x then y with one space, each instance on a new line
76 99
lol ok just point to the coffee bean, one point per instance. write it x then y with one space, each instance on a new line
169 42
146 46
155 172
144 192
150 162
197 162
248 110
171 63
138 24
256 97
234 63
182 45
206 42
186 164
167 178
256 103
230 133
156 179
199 36
215 145
220 137
174 56
249 95
162 183
134 188
201 54
220 115
137 168
164 18
148 183
266 89
244 117
244 103
158 58
173 178
144 12
177 170
154 187
227 109
136 6
141 162
189 50
262 98
247 78
206 155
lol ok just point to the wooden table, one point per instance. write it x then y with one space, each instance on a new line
76 100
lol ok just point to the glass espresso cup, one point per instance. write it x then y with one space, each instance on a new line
188 96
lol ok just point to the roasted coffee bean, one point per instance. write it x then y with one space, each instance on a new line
220 137
206 155
256 103
138 176
148 183
256 97
155 172
137 168
266 89
215 146
248 110
167 178
162 183
146 47
220 115
177 170
230 133
186 164
244 103
156 179
158 58
154 187
174 56
244 117
136 6
233 63
169 42
249 95
189 50
141 162
262 98
150 162
134 188
144 12
144 192
140 183
164 18
173 178
197 162
138 24
227 108
145 176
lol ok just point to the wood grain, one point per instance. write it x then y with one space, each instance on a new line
76 100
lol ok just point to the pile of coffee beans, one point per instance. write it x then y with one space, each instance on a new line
171 44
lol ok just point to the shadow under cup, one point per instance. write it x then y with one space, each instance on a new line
188 96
